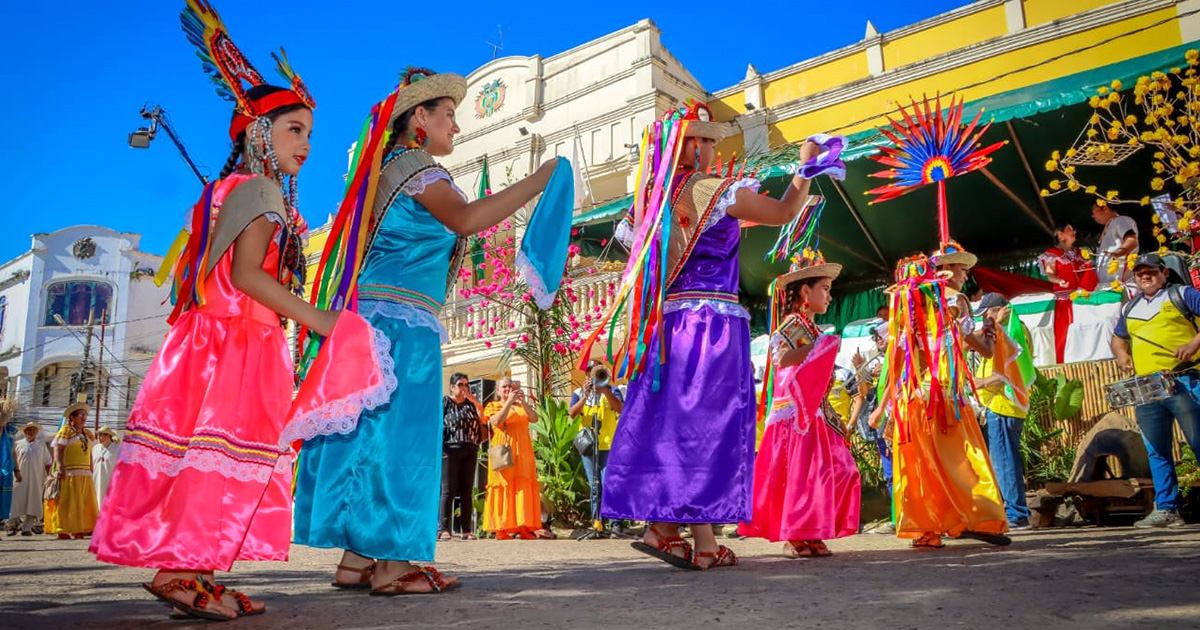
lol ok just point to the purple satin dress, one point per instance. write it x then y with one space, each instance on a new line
685 453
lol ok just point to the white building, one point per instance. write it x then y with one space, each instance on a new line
54 299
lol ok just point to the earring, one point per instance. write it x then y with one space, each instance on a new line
418 139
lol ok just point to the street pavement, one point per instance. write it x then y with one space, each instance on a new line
1064 578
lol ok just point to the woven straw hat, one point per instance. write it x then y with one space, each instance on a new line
951 253
418 85
107 431
808 265
31 425
76 407
701 123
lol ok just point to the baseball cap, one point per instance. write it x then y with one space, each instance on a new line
1149 260
990 300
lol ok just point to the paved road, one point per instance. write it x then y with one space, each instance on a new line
1078 578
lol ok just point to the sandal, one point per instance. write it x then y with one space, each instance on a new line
663 551
818 548
245 608
444 537
722 557
466 537
364 577
1000 540
432 576
199 605
797 549
928 541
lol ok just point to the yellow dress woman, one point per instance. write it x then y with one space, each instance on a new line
943 480
76 510
514 505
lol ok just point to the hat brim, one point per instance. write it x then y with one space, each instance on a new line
436 86
823 270
32 425
956 258
76 407
706 129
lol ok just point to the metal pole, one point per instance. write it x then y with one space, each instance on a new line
99 364
158 116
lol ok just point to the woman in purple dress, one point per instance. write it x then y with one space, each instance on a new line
684 451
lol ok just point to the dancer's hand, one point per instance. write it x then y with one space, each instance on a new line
808 151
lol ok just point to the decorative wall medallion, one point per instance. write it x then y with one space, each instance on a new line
490 98
84 248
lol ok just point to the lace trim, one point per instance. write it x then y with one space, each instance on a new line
783 413
728 198
204 461
411 315
718 306
417 184
537 286
341 416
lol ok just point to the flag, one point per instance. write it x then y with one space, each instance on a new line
583 192
477 255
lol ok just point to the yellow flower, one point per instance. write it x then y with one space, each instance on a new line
1086 253
1175 70
1192 55
1187 215
1159 155
1102 91
1112 266
1051 166
1094 101
1115 286
1084 293
1075 294
1131 120
1113 134
1179 203
1145 201
1091 133
1073 185
1055 155
1116 85
1162 251
1091 190
1045 193
1055 184
1112 194
1157 183
1162 239
1071 152
1070 170
1154 217
1182 224
1159 167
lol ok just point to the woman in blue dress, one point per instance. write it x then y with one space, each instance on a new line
373 491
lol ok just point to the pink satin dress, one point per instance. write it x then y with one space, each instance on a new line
806 484
204 475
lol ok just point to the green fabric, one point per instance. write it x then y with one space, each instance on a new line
1019 333
851 308
477 253
612 210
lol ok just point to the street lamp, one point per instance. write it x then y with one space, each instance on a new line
141 138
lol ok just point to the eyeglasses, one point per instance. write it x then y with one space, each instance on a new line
462 384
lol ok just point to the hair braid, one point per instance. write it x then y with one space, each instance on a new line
239 146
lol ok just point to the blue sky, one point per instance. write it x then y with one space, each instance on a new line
78 73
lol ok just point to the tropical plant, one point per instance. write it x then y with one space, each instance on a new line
866 457
560 469
1045 455
1187 470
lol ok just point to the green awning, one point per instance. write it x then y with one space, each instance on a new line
609 211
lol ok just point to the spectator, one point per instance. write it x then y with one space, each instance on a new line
104 457
514 505
866 399
462 433
1064 264
597 404
1118 240
882 312
1006 408
8 435
1157 333
77 511
32 465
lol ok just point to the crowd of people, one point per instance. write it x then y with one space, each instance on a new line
208 472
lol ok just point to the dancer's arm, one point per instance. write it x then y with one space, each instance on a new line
795 356
465 219
248 276
751 206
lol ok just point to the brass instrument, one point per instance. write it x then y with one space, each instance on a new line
863 373
600 375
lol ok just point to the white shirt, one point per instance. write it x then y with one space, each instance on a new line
1110 241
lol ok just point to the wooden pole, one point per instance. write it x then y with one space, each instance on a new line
99 364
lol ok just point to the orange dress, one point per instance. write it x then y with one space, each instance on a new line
513 495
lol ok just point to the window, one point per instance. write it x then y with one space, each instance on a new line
60 384
78 303
3 312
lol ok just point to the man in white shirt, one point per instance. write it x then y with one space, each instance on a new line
32 464
1118 240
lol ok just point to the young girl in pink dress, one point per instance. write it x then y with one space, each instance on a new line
806 484
204 477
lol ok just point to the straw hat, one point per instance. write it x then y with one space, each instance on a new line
31 425
76 407
107 431
700 121
951 253
808 264
418 85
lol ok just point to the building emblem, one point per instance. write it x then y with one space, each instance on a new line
84 248
490 99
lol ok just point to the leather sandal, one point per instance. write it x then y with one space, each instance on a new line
798 549
430 575
197 608
663 551
364 577
722 557
244 607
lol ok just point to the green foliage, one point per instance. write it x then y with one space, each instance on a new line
560 469
1068 397
866 457
1188 470
1046 457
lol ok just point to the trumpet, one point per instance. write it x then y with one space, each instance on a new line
863 373
600 376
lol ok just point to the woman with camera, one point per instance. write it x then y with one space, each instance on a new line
514 504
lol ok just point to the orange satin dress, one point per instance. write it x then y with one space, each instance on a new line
514 500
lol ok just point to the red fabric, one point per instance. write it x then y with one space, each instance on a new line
264 105
1008 284
1064 314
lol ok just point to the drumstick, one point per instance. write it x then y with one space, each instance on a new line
1156 345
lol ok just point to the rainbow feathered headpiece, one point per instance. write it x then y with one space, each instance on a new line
638 307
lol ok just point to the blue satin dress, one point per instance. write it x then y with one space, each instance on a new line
7 435
375 490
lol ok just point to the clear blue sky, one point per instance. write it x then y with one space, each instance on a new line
77 74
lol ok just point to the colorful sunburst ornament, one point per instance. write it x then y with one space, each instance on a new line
930 146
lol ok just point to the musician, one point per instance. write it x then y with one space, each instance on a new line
599 401
1064 264
1003 388
1157 333
866 399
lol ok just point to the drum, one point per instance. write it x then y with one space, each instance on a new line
1140 390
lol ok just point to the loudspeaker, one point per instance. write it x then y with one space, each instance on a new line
484 389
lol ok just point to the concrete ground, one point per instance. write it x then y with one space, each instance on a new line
1067 578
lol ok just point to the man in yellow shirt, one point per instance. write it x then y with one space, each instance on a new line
1004 413
597 405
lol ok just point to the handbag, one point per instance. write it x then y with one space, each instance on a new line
52 488
500 457
585 441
